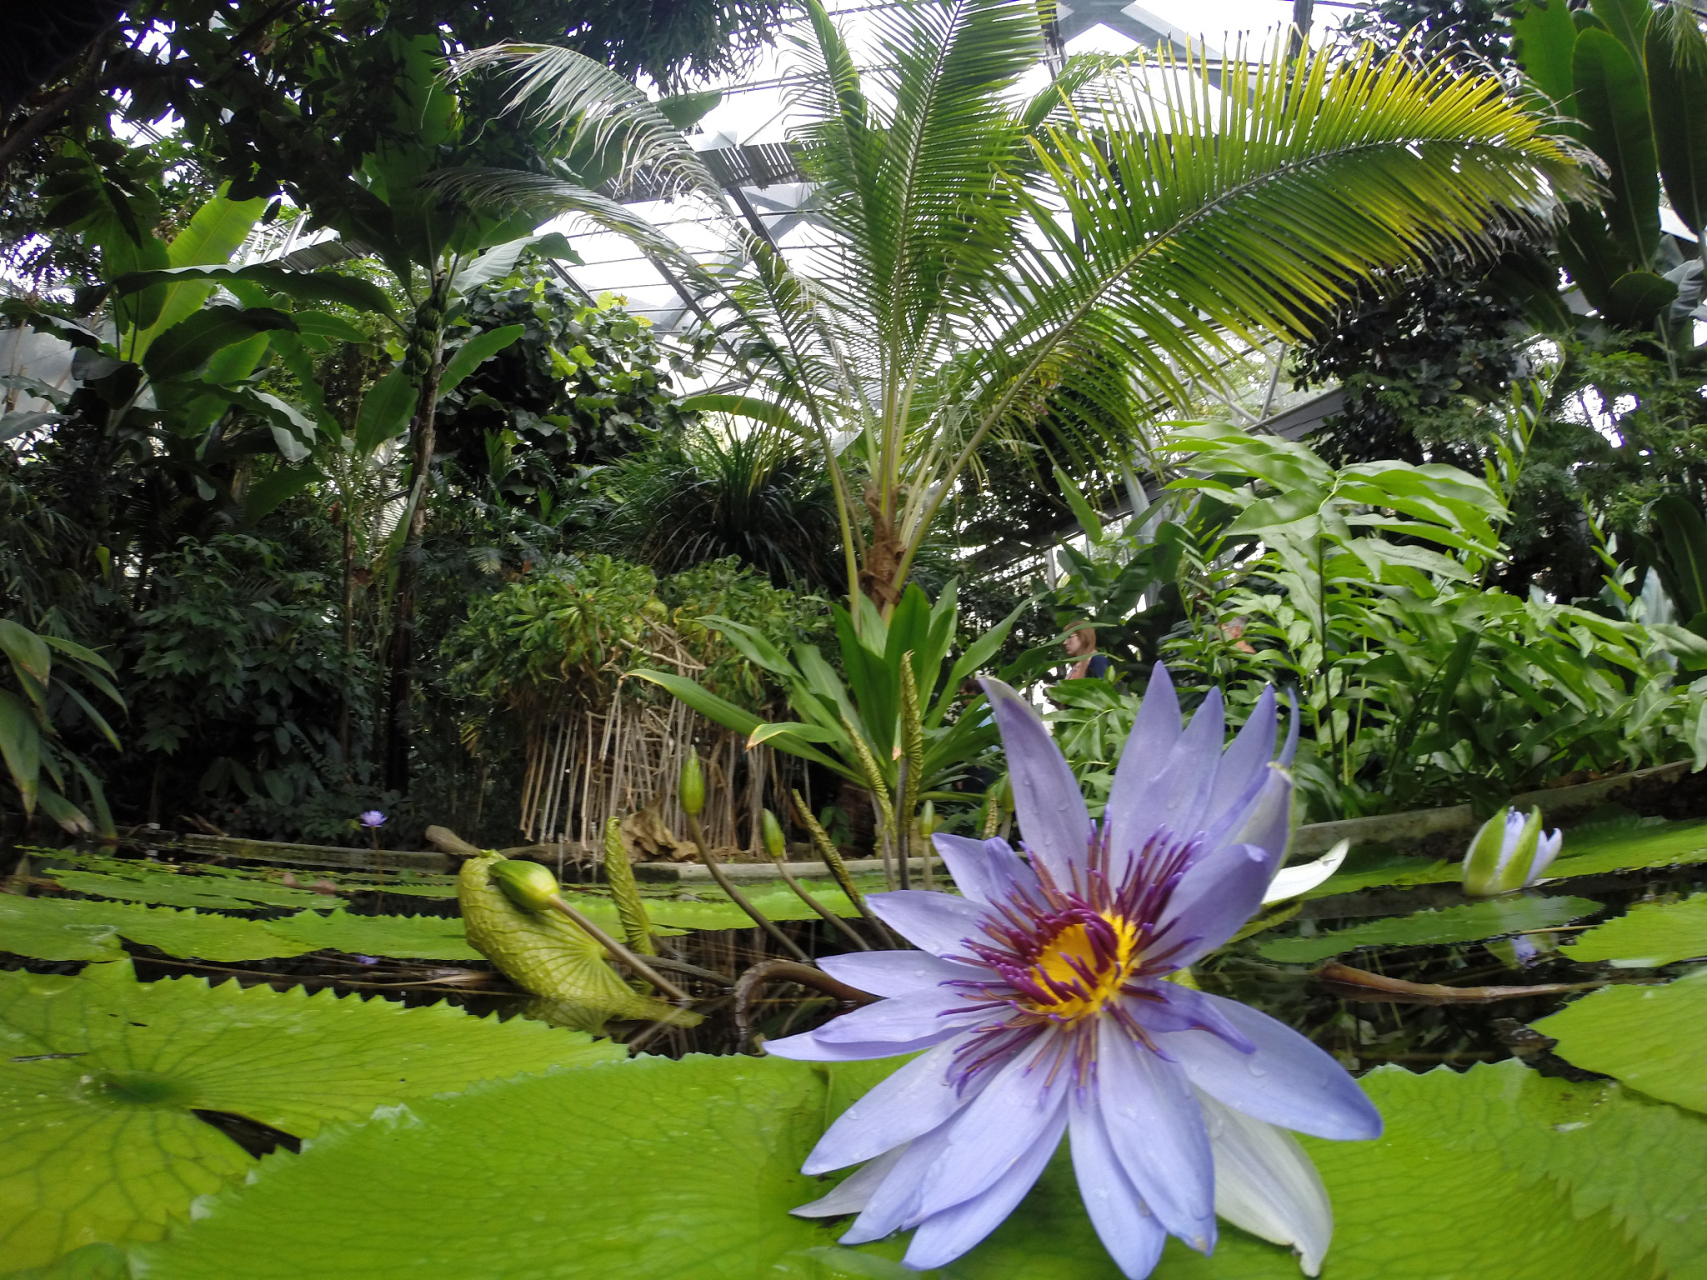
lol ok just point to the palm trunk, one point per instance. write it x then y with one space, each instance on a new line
349 638
400 652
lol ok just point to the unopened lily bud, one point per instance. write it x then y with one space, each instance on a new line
773 835
693 786
927 818
527 884
1508 853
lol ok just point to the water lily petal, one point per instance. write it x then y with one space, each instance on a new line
1174 798
1126 1227
1289 882
1023 1102
809 1048
1157 1133
986 870
1290 747
943 1237
905 1018
1216 895
853 1192
1265 820
910 1103
1167 1006
1287 1081
894 1204
1245 759
940 923
1155 730
1051 811
893 973
1266 1184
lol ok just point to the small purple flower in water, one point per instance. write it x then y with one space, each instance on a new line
1043 1003
371 818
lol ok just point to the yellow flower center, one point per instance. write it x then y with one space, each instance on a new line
1078 975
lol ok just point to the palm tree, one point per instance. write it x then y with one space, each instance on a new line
1118 235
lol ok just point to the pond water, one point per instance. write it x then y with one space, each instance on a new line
1423 934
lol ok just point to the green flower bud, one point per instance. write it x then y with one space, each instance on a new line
527 884
927 818
693 786
773 835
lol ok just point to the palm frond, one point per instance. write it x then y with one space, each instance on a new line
595 113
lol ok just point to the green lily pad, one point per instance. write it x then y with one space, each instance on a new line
1592 850
645 1191
174 889
1651 935
1630 846
1469 923
74 929
100 1076
405 937
1379 871
1612 1149
775 901
1653 1038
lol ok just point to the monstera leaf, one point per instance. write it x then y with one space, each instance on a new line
104 1082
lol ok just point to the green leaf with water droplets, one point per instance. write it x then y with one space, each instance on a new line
1653 1038
1651 935
686 1170
100 1077
73 929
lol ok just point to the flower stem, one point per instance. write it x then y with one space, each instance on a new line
736 896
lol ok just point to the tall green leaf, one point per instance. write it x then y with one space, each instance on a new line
1677 96
1612 99
473 353
190 343
1544 38
300 286
385 411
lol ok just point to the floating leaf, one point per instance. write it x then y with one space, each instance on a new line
1651 935
1469 923
1630 846
645 1190
1613 1149
405 937
174 889
777 901
1653 1038
102 1075
71 929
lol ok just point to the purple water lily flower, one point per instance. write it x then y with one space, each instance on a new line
371 818
1042 1003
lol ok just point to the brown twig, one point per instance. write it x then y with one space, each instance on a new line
1374 986
737 897
767 971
